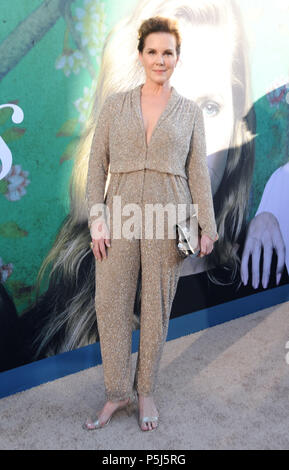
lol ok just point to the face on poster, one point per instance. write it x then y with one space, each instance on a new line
54 81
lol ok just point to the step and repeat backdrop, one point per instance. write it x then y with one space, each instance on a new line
59 59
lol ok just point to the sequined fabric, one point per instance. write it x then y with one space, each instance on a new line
149 174
177 147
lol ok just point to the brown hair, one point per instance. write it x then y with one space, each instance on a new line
159 24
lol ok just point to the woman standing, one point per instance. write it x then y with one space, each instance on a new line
153 140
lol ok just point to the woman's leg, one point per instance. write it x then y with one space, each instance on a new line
161 267
115 289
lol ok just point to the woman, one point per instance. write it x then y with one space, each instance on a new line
153 139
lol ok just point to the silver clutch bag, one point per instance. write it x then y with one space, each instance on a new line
188 237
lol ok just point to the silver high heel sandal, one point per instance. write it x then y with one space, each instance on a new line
91 425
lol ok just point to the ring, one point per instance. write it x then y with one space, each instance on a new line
91 245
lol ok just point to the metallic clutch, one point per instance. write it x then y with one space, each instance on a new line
188 237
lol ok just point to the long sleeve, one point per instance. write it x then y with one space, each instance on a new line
98 162
199 178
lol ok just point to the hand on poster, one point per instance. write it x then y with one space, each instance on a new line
263 232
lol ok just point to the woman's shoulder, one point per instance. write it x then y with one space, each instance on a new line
116 98
188 102
113 97
194 105
120 95
195 109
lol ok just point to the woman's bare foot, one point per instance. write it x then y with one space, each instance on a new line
105 413
147 407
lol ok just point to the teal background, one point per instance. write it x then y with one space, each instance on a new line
46 95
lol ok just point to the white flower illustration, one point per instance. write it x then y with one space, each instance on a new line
70 61
17 181
90 23
82 104
5 270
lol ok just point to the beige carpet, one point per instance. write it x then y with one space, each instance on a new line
226 387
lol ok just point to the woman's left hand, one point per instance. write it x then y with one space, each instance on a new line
206 245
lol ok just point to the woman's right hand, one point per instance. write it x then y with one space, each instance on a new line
100 238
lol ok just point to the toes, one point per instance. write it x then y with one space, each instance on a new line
145 428
88 425
148 426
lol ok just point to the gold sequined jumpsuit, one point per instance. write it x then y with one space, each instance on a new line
157 174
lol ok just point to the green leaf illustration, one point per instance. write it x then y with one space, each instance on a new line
3 186
20 292
67 129
279 114
5 115
13 133
12 230
68 153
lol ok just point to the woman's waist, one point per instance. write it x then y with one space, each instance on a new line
149 186
149 167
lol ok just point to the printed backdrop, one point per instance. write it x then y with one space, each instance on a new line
51 54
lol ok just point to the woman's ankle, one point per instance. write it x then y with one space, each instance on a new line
144 395
116 402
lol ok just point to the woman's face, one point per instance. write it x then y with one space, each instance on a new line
204 75
159 56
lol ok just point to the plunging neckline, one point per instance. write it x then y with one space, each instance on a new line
163 113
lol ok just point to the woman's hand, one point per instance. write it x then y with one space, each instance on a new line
100 238
206 245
